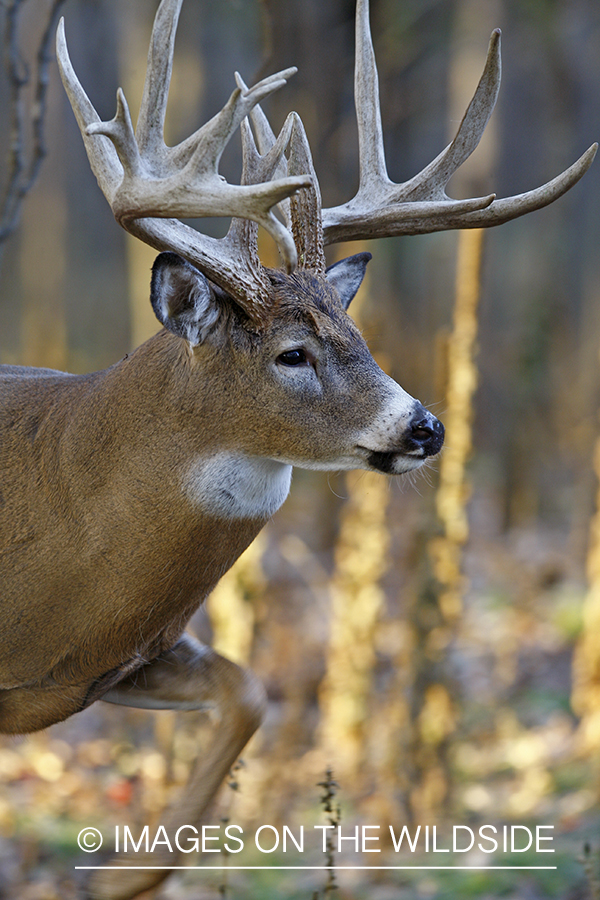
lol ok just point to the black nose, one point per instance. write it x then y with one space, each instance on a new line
426 432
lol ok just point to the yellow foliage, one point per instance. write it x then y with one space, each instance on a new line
437 718
586 662
356 601
453 491
229 607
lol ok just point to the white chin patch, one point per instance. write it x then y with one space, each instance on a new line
235 486
405 464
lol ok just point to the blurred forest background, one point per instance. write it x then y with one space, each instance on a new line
436 643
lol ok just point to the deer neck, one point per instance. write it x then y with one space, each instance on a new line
207 472
175 445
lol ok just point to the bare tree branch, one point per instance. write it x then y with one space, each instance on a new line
23 165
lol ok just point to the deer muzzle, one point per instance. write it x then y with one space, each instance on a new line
420 437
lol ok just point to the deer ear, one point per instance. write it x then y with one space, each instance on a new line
182 298
346 276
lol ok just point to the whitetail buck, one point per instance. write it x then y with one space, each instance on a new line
126 494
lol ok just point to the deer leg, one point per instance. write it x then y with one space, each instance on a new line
189 676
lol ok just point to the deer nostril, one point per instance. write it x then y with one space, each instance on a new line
420 434
422 431
428 433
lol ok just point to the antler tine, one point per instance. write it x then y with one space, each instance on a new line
373 169
507 208
101 152
420 205
265 136
242 233
151 120
265 140
431 182
305 206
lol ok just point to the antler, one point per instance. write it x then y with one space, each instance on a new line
145 181
383 208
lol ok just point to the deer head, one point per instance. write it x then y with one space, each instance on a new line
149 185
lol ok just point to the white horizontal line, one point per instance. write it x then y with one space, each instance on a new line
318 868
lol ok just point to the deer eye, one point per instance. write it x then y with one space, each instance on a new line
295 357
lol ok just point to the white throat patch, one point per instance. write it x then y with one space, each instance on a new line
231 486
